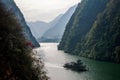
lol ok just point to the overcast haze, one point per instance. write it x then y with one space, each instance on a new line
44 10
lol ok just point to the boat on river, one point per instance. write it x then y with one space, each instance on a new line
76 66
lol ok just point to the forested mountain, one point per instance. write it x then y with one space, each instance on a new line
16 61
38 28
11 6
55 33
81 22
94 30
103 40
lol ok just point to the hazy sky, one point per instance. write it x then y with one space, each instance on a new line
44 10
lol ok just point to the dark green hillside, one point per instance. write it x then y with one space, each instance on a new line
94 31
16 62
103 40
80 23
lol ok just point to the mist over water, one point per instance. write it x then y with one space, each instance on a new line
54 61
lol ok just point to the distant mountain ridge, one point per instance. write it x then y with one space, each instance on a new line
39 27
10 5
55 33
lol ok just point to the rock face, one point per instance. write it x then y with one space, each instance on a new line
11 6
55 33
80 23
17 60
94 31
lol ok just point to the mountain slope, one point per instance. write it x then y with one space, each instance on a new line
16 61
80 23
99 39
103 40
55 33
39 27
11 6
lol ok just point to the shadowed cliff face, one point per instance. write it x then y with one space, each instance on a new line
80 23
11 6
16 58
94 31
103 40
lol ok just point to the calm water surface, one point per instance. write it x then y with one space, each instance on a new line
54 61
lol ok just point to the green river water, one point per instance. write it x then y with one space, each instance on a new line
54 61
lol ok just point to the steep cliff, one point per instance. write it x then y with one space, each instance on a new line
94 31
80 23
16 61
103 40
11 6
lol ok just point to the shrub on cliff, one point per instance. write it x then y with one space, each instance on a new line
16 63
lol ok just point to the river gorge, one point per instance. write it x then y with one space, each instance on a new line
55 59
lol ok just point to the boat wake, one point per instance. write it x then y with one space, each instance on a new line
53 65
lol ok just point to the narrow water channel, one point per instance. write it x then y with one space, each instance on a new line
54 61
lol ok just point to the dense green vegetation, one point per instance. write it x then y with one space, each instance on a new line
81 22
16 62
94 31
103 40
